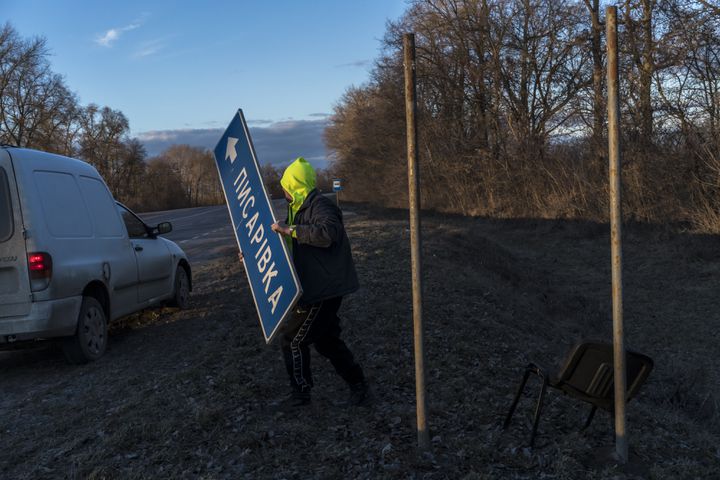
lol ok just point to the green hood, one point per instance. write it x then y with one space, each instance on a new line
298 180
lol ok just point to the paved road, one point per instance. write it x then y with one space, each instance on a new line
205 233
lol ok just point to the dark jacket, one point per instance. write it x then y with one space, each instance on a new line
321 251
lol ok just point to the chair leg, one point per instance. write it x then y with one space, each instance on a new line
517 398
590 417
538 409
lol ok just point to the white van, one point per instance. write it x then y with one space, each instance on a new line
72 258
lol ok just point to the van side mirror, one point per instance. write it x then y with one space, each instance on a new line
164 227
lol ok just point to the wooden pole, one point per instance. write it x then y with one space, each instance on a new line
415 241
621 442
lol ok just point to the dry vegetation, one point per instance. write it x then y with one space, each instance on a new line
511 111
189 394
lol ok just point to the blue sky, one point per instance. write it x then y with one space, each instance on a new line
179 70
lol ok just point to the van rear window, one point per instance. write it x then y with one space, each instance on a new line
6 217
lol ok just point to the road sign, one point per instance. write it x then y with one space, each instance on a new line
270 270
337 185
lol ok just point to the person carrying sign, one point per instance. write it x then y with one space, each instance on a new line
321 253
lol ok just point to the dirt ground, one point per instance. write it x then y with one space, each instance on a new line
189 394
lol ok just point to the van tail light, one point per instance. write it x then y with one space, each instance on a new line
40 267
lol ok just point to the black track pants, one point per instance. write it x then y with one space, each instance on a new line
317 324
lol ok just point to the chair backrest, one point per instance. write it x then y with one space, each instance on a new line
589 371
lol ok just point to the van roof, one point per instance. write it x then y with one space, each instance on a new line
45 160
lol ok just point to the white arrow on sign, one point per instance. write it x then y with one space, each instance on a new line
230 151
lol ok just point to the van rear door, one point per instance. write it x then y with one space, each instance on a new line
14 280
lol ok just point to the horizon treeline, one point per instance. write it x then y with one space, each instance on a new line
512 113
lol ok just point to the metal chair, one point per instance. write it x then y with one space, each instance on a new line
587 376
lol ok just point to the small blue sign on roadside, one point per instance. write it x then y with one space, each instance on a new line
337 184
269 267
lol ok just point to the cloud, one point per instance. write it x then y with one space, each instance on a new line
150 48
355 64
112 35
258 122
277 143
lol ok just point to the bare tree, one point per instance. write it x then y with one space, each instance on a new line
596 50
37 110
541 63
366 134
271 178
162 187
102 142
196 170
647 40
511 108
131 168
712 5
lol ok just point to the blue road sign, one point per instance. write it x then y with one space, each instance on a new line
270 270
337 184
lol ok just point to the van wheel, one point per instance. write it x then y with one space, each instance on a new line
181 297
90 340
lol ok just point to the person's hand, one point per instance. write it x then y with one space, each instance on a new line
240 256
281 228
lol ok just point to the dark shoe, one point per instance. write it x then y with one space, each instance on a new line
359 394
294 400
